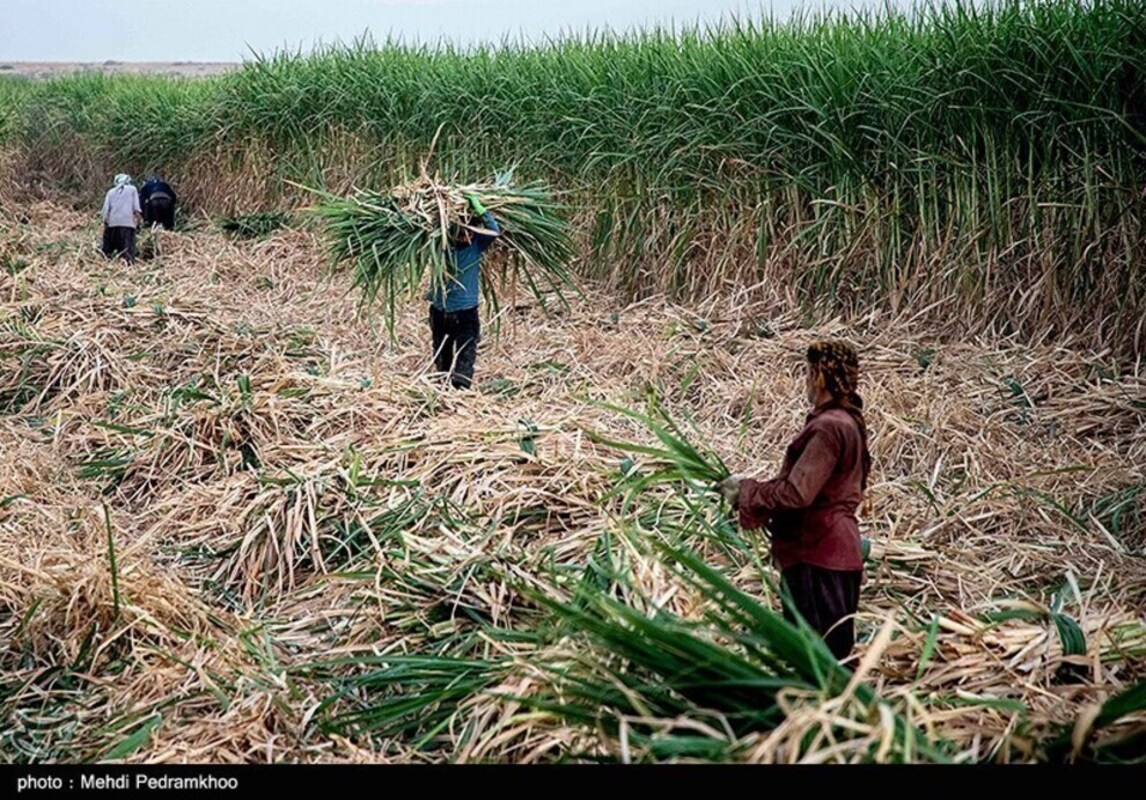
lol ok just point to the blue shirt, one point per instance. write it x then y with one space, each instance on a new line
462 290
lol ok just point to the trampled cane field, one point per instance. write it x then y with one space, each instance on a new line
242 519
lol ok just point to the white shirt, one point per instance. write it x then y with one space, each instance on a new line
120 207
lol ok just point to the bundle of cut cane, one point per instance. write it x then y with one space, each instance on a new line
399 240
675 461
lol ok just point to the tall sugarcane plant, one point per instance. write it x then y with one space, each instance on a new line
400 240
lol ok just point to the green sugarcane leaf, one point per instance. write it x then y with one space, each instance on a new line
1129 701
1070 635
133 742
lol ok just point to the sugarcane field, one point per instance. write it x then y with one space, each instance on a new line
766 394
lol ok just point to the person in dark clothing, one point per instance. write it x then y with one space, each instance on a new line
810 508
455 325
158 201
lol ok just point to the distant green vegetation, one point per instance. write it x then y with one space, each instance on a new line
993 158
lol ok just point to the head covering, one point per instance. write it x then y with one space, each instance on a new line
122 179
838 363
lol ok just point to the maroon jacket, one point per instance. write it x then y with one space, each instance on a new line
810 509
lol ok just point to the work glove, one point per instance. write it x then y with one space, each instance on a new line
475 204
729 489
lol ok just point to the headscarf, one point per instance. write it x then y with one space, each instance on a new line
121 180
838 363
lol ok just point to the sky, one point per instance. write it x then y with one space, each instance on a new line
234 30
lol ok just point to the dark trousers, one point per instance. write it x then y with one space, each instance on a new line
119 241
456 335
159 209
824 597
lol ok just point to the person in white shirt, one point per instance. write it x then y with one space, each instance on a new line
121 216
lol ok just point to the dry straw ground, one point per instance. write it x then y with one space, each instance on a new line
222 417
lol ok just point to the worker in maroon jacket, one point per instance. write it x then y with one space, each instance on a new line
810 508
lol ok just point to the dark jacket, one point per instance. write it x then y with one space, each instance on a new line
153 188
810 509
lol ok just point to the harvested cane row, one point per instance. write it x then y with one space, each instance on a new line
239 523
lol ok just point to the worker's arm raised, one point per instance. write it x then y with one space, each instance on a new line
482 238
